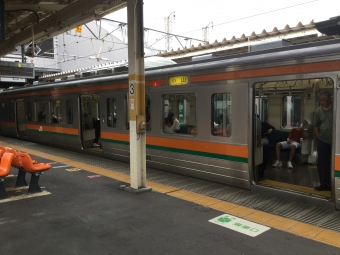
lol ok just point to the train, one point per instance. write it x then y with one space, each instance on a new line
88 112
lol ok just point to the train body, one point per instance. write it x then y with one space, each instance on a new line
219 104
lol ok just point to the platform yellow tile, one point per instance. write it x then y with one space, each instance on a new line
193 197
329 237
207 201
305 230
123 178
160 187
180 193
259 217
240 211
223 206
281 223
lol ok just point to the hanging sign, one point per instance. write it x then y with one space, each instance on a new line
79 29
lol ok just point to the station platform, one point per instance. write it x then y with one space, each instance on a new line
84 209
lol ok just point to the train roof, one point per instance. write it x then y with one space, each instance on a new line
308 50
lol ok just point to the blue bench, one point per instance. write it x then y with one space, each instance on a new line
280 136
185 129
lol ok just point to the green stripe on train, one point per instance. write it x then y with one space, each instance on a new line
52 133
188 152
337 173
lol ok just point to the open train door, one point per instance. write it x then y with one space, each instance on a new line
20 118
89 115
257 141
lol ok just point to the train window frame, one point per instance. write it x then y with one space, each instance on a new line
148 125
286 107
40 112
127 113
69 111
111 121
29 111
217 115
189 120
56 112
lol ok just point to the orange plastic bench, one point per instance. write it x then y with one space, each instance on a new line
35 169
5 168
2 150
17 163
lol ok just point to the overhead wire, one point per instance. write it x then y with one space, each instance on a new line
255 15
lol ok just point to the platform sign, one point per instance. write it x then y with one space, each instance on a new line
240 225
16 69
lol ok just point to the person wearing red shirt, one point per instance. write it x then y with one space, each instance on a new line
292 142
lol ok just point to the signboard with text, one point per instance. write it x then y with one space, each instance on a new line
16 69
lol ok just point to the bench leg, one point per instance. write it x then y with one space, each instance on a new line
34 187
3 193
21 179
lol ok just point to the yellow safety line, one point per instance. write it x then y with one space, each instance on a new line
296 188
294 227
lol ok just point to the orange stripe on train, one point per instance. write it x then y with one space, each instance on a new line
69 131
337 163
209 147
271 71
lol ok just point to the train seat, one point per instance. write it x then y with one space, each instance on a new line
35 169
185 129
5 168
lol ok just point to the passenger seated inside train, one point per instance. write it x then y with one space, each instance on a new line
292 142
175 126
220 127
54 118
41 116
168 126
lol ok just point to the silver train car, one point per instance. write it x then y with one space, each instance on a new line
219 103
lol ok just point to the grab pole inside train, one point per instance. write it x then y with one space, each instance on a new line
136 100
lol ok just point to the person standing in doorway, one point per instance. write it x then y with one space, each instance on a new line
323 127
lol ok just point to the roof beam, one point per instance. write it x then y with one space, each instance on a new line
77 13
35 7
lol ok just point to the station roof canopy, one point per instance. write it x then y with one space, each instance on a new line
44 19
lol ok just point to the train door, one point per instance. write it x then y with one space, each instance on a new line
90 121
20 118
286 110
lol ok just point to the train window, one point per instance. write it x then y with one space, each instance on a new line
69 112
111 112
148 113
40 111
29 111
11 111
221 117
291 115
179 113
55 112
126 110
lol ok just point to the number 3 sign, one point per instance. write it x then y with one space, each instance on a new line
132 89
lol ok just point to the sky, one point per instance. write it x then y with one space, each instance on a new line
227 18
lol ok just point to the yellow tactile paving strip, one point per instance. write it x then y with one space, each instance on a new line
295 187
294 227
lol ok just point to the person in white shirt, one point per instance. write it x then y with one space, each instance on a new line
175 124
167 127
